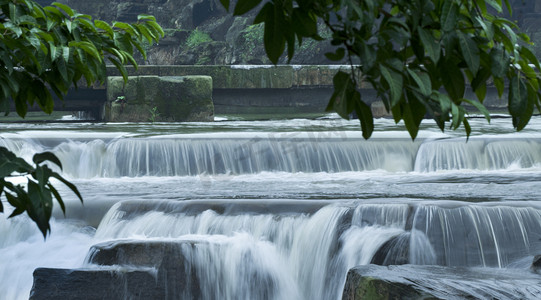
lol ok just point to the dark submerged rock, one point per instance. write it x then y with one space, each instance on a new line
94 284
438 282
536 264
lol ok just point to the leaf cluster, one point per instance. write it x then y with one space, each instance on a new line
44 49
37 198
286 24
419 55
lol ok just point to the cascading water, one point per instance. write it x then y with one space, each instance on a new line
276 211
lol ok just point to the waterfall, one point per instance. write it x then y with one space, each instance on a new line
278 215
293 238
314 244
192 155
478 235
478 154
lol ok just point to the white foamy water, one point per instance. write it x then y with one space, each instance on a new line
284 207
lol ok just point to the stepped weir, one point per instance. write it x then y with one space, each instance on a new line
300 209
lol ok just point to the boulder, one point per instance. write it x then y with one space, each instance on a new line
438 282
536 264
166 269
127 270
394 252
95 284
155 98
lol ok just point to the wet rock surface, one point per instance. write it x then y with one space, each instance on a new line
154 98
127 270
437 282
95 284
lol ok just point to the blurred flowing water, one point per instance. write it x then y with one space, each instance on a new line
283 209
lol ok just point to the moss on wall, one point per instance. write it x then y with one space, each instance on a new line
154 98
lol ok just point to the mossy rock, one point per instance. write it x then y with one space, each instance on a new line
438 282
366 287
155 98
185 98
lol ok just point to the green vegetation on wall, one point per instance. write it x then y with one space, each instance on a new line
197 38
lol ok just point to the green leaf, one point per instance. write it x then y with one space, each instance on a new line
61 66
147 34
479 107
430 44
499 62
487 27
45 101
40 206
53 11
496 4
118 53
409 120
105 27
21 107
526 53
88 48
273 36
518 96
445 104
422 80
395 82
65 8
56 194
66 54
46 156
527 70
70 185
145 17
449 15
521 121
508 5
262 14
482 6
467 127
225 4
458 116
481 92
87 24
120 67
343 94
154 26
10 163
453 79
244 6
126 27
396 111
470 52
16 203
364 113
338 55
499 84
303 23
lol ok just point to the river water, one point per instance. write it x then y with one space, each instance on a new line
282 209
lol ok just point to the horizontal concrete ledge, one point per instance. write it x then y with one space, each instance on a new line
249 76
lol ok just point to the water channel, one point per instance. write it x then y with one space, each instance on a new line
302 200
